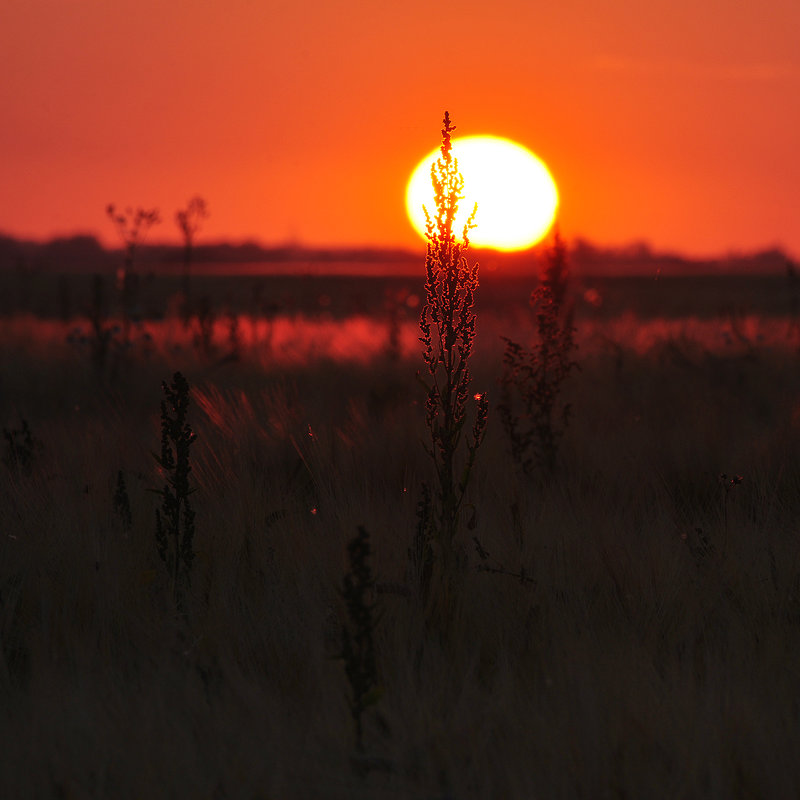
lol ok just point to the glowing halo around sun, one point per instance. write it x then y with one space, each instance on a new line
516 195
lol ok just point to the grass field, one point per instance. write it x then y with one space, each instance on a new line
653 654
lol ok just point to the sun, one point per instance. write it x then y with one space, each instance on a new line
516 195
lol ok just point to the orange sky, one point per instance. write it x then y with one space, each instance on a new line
673 122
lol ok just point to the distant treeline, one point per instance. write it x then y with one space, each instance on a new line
83 253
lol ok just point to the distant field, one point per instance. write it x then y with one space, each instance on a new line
50 294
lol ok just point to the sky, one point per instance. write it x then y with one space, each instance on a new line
672 123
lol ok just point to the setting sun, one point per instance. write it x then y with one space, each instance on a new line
516 195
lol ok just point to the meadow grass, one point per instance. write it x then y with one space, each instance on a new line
653 653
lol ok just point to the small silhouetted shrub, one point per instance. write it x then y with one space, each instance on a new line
532 411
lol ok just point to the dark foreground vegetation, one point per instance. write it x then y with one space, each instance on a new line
625 625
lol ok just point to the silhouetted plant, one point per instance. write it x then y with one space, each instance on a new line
358 645
175 518
189 220
122 503
531 411
447 323
21 445
132 227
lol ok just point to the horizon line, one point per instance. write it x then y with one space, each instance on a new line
634 247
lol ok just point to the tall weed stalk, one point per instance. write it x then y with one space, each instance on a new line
447 324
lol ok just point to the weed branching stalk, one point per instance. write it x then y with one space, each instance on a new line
532 412
175 518
447 323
